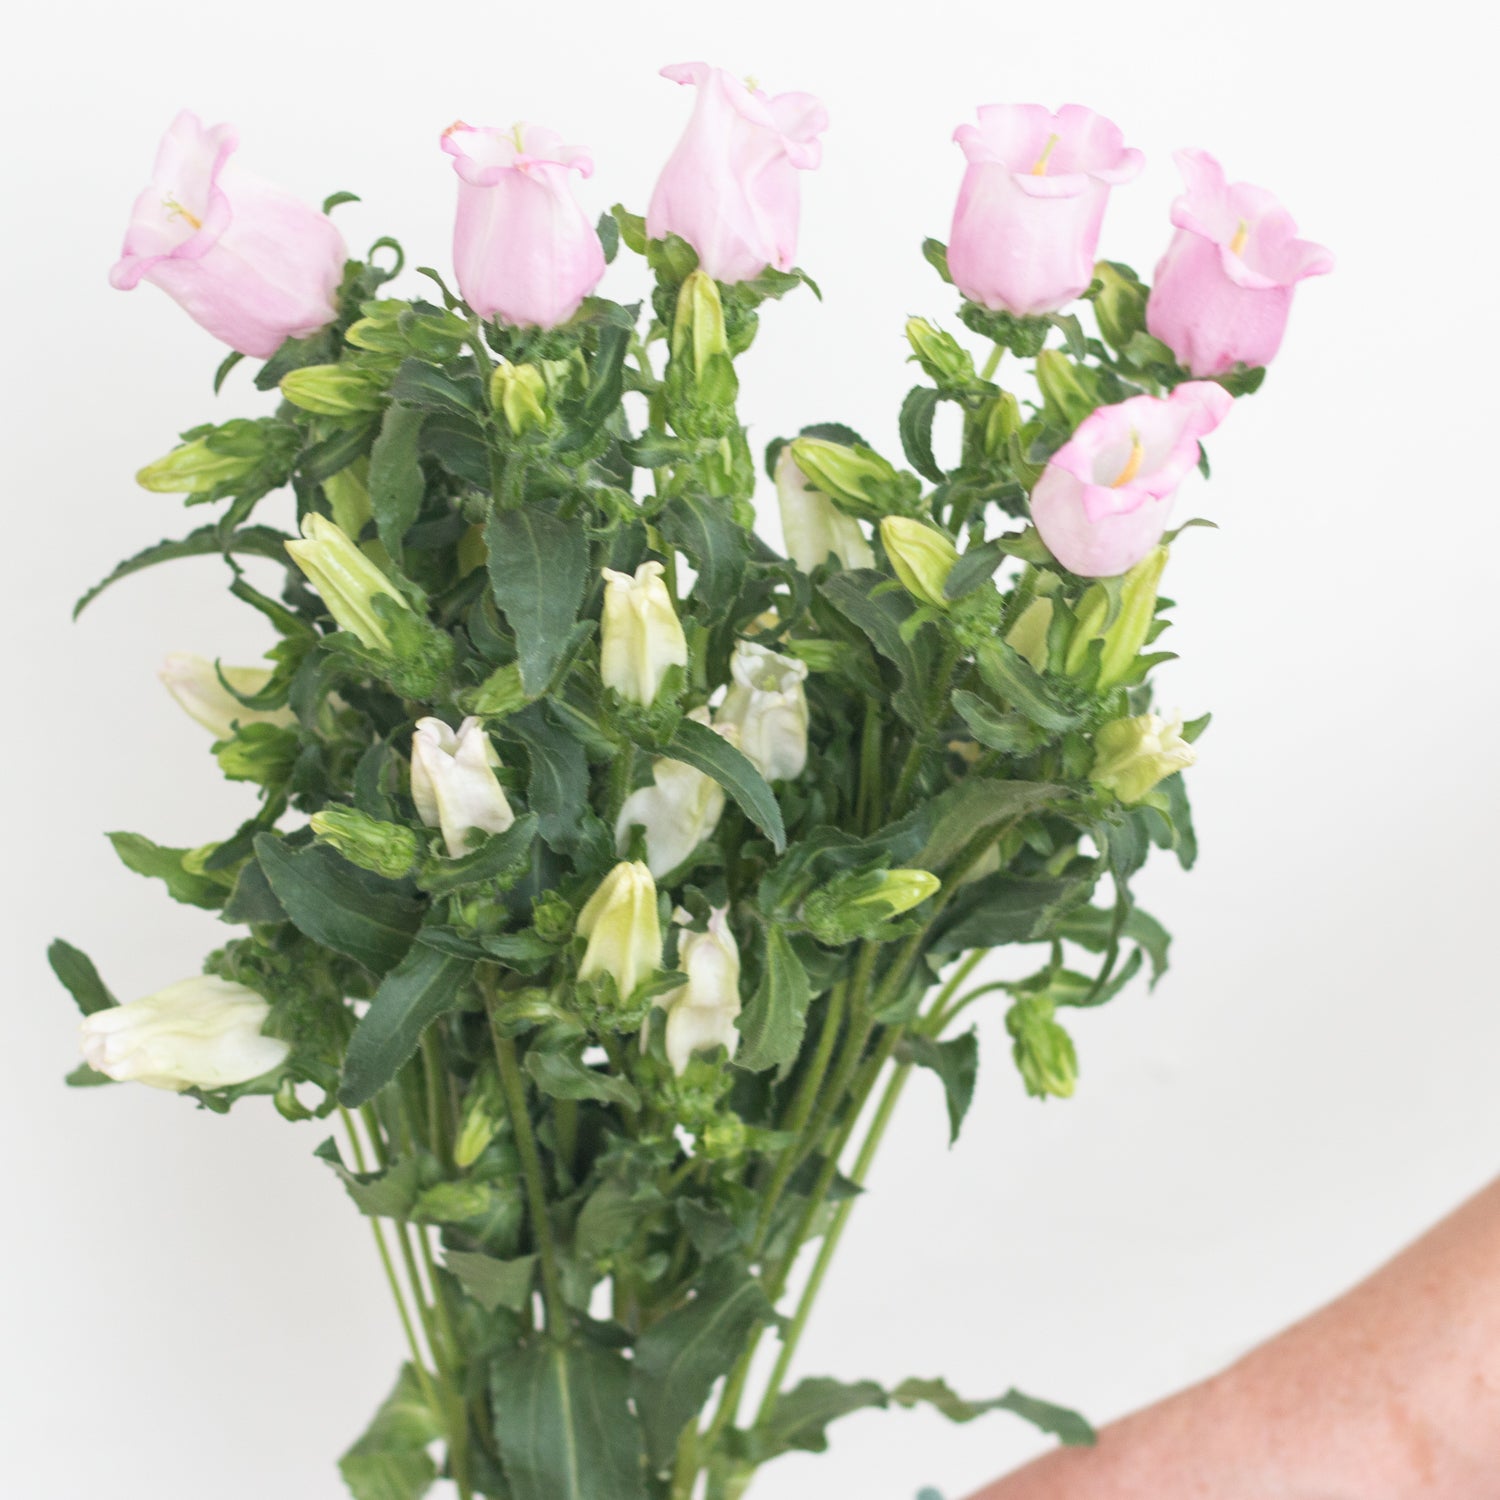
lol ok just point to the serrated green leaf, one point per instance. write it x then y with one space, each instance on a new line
915 423
802 1415
1066 1425
77 974
389 1461
563 1423
387 1194
337 905
206 541
395 481
772 1024
558 789
420 384
704 527
493 1282
424 985
498 856
975 806
956 1063
700 747
157 862
679 1357
539 566
880 616
1005 908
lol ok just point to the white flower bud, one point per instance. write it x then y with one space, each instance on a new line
642 636
701 1014
345 578
813 525
1132 755
193 681
766 703
203 1032
678 810
453 782
622 928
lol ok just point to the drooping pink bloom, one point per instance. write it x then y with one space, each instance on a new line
1224 288
1103 501
1027 221
523 248
730 188
248 261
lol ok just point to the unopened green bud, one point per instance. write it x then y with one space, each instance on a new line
900 890
348 496
922 556
1120 306
725 1138
1066 388
519 394
1002 422
857 479
222 456
699 321
345 578
334 390
1132 755
262 753
499 694
1042 1049
484 1110
946 362
1127 632
386 849
1028 635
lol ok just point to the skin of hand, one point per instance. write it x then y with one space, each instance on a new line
1390 1393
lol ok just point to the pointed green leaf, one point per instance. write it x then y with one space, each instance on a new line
956 1063
698 746
396 482
493 1282
975 806
563 1076
772 1024
75 969
880 616
1066 1425
916 431
704 527
424 985
337 905
497 856
253 541
802 1415
558 789
539 567
390 1461
563 1423
680 1356
156 862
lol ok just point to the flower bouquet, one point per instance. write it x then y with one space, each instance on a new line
612 872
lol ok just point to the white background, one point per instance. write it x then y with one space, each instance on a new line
190 1306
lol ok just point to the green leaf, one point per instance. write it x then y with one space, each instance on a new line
679 1357
252 901
84 1077
1093 927
496 857
880 616
76 971
337 905
935 253
539 567
772 1024
698 746
1011 734
424 985
1004 908
396 481
956 1063
975 567
563 1423
390 1461
802 1415
704 527
1008 674
493 1282
387 1195
975 806
916 431
206 541
420 384
1066 1425
558 789
563 1076
156 862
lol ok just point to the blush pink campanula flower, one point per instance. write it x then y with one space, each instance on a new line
248 261
1027 221
1224 288
523 248
730 188
1103 501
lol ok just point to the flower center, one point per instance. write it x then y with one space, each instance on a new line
1241 238
516 136
1040 169
1132 464
176 211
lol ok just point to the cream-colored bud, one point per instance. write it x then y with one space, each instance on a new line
453 782
767 705
701 1014
813 525
623 929
345 578
680 808
1132 755
193 681
642 636
203 1032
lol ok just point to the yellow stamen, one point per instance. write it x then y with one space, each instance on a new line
176 211
1132 464
515 135
752 83
1241 239
1040 169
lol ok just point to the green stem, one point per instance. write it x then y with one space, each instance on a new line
514 1088
992 363
436 1096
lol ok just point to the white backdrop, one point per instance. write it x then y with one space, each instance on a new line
191 1307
